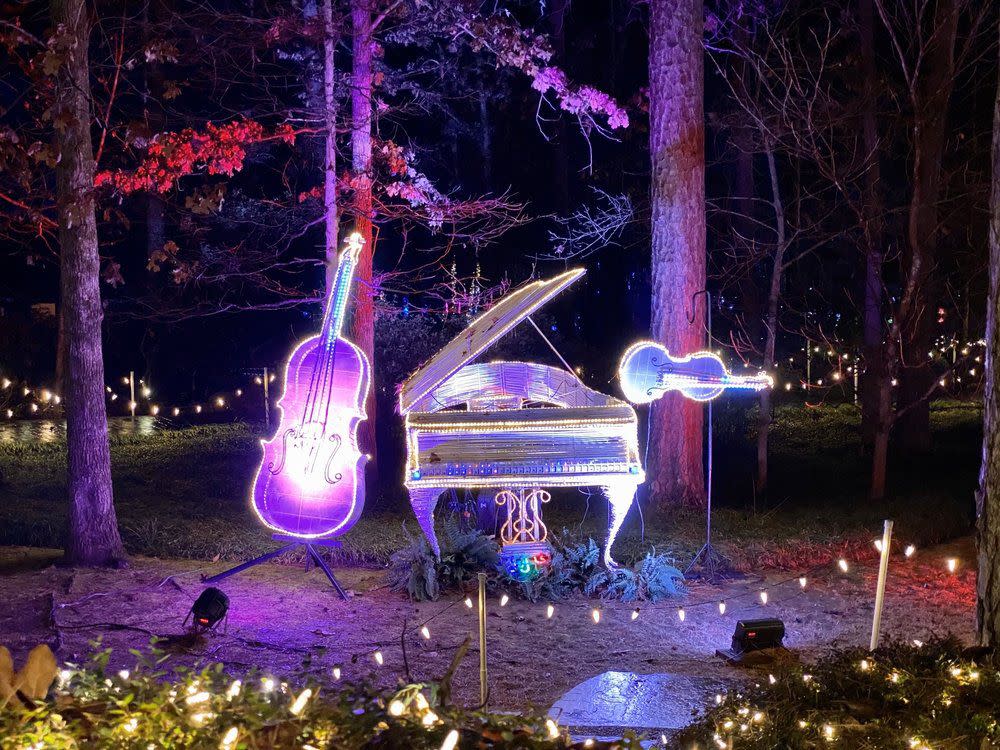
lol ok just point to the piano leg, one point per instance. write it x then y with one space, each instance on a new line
620 496
423 500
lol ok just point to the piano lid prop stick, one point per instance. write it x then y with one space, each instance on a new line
554 350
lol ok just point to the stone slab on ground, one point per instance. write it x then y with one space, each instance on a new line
611 702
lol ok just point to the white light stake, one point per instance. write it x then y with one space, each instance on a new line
595 613
842 564
952 564
468 602
910 549
883 571
336 673
379 659
802 582
549 611
503 600
680 614
635 613
425 632
722 608
450 741
763 597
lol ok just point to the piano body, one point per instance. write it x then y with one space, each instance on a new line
514 428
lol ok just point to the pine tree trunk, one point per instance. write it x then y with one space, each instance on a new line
330 144
93 537
677 153
988 497
363 319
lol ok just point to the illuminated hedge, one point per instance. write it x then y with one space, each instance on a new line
913 697
144 708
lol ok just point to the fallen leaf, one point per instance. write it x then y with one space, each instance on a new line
38 674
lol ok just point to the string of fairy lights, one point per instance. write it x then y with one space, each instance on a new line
594 613
410 704
20 399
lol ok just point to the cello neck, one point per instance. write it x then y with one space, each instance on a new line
336 305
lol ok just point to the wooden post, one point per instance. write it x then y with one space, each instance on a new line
483 675
883 570
267 403
131 393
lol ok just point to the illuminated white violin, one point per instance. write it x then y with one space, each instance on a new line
647 371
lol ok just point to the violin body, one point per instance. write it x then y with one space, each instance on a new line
309 482
647 371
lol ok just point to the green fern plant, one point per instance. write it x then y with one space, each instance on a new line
653 578
464 554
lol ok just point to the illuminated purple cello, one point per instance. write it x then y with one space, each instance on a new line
307 483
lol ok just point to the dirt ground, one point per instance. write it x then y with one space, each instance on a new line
286 622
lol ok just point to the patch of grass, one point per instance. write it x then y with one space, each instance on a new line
183 493
178 493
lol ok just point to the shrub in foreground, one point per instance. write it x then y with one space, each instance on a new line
206 710
913 697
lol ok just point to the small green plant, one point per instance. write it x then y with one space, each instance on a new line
653 578
464 554
577 568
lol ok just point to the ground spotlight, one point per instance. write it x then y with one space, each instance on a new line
209 609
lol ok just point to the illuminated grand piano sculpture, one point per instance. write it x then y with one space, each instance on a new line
514 428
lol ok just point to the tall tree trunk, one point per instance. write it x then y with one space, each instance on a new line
560 148
330 144
363 320
485 140
93 529
872 327
677 153
988 497
764 417
935 79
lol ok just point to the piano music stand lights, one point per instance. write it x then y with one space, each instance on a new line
516 428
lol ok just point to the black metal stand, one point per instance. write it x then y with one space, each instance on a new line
312 555
712 565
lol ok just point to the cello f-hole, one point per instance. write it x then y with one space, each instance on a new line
284 452
333 452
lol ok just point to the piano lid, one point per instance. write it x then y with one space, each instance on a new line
482 333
